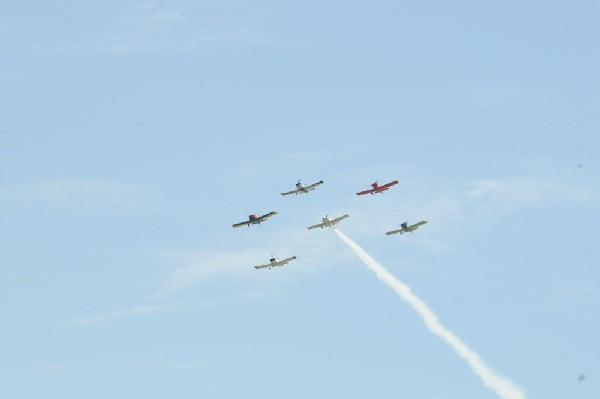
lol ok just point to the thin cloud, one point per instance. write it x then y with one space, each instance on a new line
208 267
487 96
53 368
16 279
523 191
12 77
182 26
143 27
159 19
174 366
75 194
578 290
134 311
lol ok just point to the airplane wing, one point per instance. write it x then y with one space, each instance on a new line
241 224
284 261
314 226
365 192
390 184
416 225
292 192
278 263
394 232
407 229
304 189
337 220
266 216
314 185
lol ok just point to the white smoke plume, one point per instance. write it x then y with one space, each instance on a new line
503 387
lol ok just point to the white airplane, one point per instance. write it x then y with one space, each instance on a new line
329 222
301 188
406 228
275 262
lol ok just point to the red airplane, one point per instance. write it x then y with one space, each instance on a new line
254 219
377 188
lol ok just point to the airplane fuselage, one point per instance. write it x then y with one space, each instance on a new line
327 222
301 187
378 189
254 219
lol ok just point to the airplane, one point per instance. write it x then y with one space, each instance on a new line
328 222
377 188
254 219
301 188
406 228
273 262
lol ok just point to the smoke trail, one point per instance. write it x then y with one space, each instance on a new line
500 385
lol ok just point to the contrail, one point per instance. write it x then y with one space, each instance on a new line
503 387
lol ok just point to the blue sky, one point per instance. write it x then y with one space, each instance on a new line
133 134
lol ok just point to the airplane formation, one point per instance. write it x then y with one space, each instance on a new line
325 221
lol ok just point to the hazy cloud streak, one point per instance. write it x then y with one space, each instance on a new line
138 310
184 366
525 190
75 194
210 266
